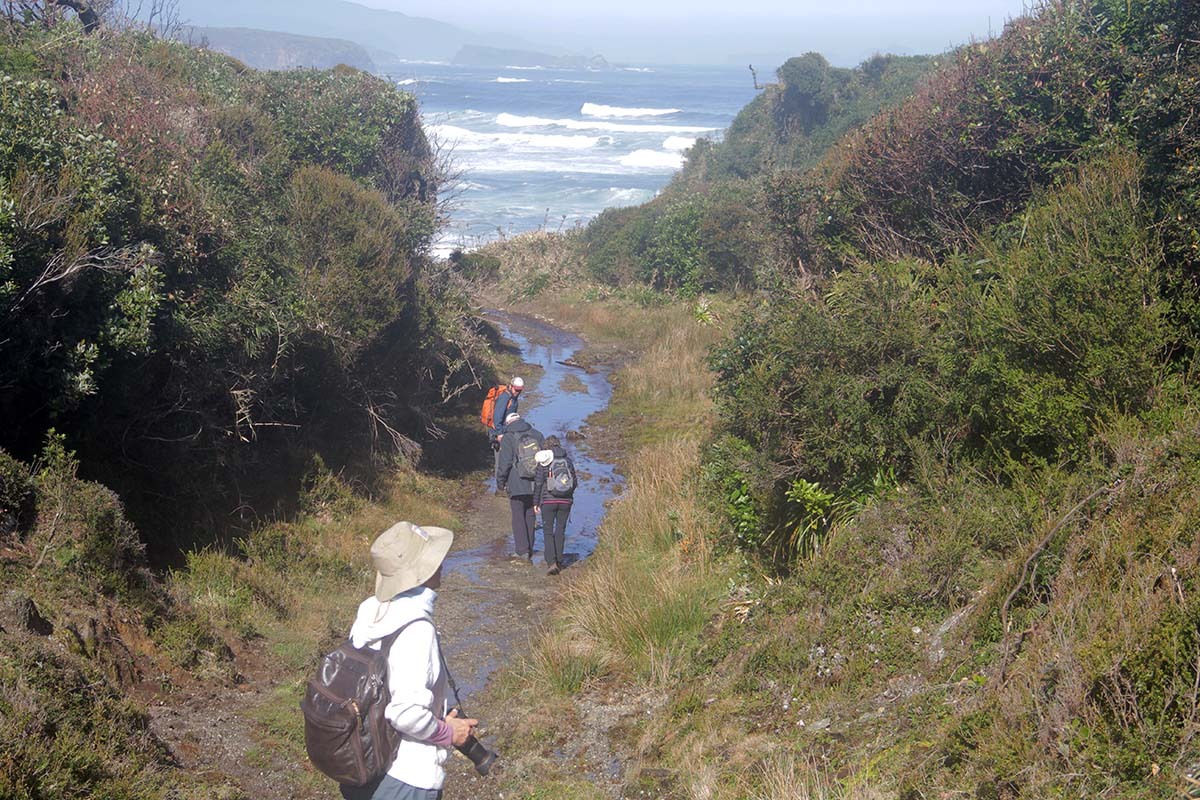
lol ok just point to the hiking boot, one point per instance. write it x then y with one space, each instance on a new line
554 570
518 557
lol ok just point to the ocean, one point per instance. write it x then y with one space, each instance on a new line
542 148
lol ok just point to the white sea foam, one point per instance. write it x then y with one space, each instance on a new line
652 159
568 80
506 120
616 196
483 162
636 69
462 139
503 79
514 67
619 112
678 142
406 82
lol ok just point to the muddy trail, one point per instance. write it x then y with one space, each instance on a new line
488 608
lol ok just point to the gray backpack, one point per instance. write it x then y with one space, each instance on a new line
561 478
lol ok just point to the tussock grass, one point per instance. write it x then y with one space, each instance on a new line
786 777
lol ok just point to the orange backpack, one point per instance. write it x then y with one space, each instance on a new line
488 412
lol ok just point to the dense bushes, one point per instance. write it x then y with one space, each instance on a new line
707 230
989 270
206 270
1012 354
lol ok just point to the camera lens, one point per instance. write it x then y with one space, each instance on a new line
479 754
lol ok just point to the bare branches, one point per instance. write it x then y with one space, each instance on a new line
86 13
47 12
67 265
160 17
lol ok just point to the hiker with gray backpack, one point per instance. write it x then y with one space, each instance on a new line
553 494
515 471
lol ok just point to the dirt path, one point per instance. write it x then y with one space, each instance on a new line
488 608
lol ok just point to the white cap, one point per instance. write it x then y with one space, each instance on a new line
518 382
513 417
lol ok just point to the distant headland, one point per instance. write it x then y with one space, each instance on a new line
482 56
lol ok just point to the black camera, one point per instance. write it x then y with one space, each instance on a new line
477 751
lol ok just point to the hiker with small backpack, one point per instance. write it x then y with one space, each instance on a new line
515 471
380 726
554 486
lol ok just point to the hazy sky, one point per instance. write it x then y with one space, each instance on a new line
715 31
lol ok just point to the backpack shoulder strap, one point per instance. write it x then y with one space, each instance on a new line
392 637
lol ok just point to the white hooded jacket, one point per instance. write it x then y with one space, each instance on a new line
416 681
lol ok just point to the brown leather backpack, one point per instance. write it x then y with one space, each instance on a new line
345 732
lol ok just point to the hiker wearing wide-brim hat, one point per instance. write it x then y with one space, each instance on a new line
399 615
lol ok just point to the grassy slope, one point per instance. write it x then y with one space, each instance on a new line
958 636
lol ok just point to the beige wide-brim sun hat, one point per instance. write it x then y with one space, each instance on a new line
407 555
543 457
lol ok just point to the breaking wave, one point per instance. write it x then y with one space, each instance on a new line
506 120
678 142
652 159
618 112
467 140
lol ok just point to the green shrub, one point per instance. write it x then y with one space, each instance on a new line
1063 326
838 388
730 471
193 644
16 492
81 527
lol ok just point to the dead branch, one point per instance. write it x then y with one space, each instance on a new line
66 265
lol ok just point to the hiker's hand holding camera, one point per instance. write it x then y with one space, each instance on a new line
460 727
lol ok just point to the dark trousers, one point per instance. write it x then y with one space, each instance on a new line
554 530
523 522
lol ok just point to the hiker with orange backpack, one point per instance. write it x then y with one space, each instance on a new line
506 403
515 471
501 401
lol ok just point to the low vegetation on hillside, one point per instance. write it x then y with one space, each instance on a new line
951 474
707 229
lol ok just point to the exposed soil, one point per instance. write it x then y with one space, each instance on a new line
487 610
